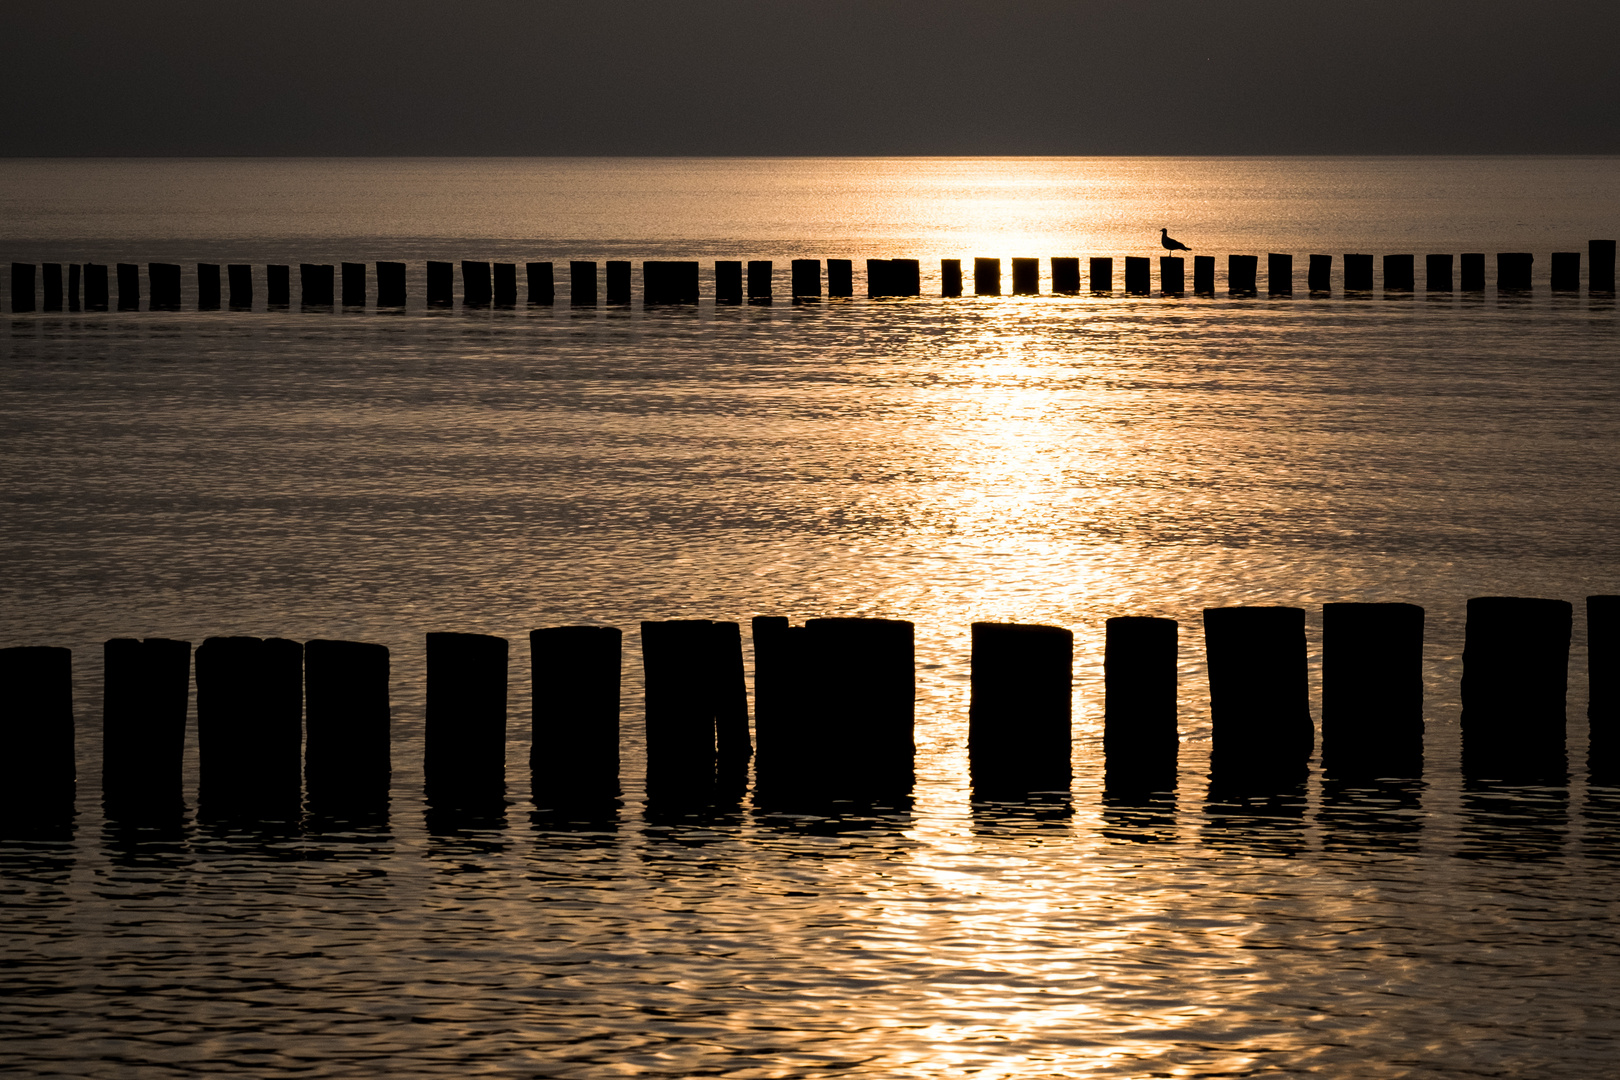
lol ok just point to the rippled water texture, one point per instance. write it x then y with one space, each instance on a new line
377 475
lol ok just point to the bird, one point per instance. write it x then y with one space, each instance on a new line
1171 243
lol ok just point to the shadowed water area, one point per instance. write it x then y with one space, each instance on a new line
376 475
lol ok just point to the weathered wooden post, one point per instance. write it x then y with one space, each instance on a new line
354 285
905 277
618 281
787 761
1203 275
950 277
861 673
1358 273
95 287
164 279
1603 700
1241 274
347 758
1066 276
129 287
1513 271
728 281
441 284
250 698
1473 271
879 278
208 287
840 277
1279 275
759 279
1372 690
987 277
1102 275
582 284
74 274
1020 710
1137 279
143 726
1437 273
679 661
1319 279
1140 741
1259 694
1398 274
50 281
464 753
477 293
1172 275
574 758
1515 675
316 285
391 284
241 285
1026 277
1600 266
542 283
1566 271
277 286
22 287
37 780
806 277
505 275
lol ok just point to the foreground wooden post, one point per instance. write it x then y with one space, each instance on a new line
1140 741
1259 694
464 752
1066 276
1437 273
241 285
861 673
1020 711
505 275
391 284
618 281
347 760
1566 271
574 758
37 781
143 726
95 287
1358 273
1473 271
582 283
1241 272
759 279
679 661
728 281
477 293
1600 266
1372 690
164 279
905 277
441 284
50 281
316 285
786 763
1137 281
987 277
542 283
73 287
879 278
1026 277
1279 275
1603 700
1513 271
1515 673
22 287
806 277
1203 275
950 277
208 286
1398 274
840 277
129 287
249 728
1102 275
1172 275
1319 279
354 285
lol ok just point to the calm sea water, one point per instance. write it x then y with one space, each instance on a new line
379 475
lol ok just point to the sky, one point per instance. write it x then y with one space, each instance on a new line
832 77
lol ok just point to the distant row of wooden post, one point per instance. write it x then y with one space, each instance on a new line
283 725
486 284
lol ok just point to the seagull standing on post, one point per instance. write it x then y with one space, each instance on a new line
1171 243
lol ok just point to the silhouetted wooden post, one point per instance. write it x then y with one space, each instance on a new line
73 287
732 742
1600 266
1513 271
477 293
239 277
759 279
728 281
1566 271
905 277
1102 275
987 277
129 287
1241 274
347 760
354 285
208 286
879 278
441 284
1372 690
1137 276
277 286
1319 279
618 281
143 726
1279 275
1473 271
391 284
840 277
22 287
464 754
786 760
1066 276
806 277
862 675
678 658
505 275
1358 273
165 284
1603 700
542 283
574 758
95 287
1020 710
1172 275
250 698
1259 698
316 285
50 281
1140 741
950 277
1437 273
655 283
1203 275
1515 675
582 284
37 781
1398 274
1026 277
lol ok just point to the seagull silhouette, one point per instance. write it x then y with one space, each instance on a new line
1171 243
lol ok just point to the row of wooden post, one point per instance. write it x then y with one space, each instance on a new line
676 282
282 726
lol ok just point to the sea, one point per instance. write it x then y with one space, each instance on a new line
377 475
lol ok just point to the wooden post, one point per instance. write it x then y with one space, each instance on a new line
1279 275
143 726
208 286
1203 275
73 287
391 284
542 283
1515 675
464 753
441 284
1102 275
574 758
905 277
164 279
277 286
987 277
1026 277
878 278
505 275
1398 274
1358 273
241 284
1513 271
1372 690
315 285
37 781
785 765
840 277
22 287
1140 741
1020 710
861 673
728 281
618 281
1600 266
582 284
1319 278
679 662
347 760
1259 694
129 287
50 281
250 728
950 277
1137 276
477 293
354 285
95 287
759 279
1172 275
1437 273
806 277
1473 271
1241 272
1603 699
1566 271
1066 276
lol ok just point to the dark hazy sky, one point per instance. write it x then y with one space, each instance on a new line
818 77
